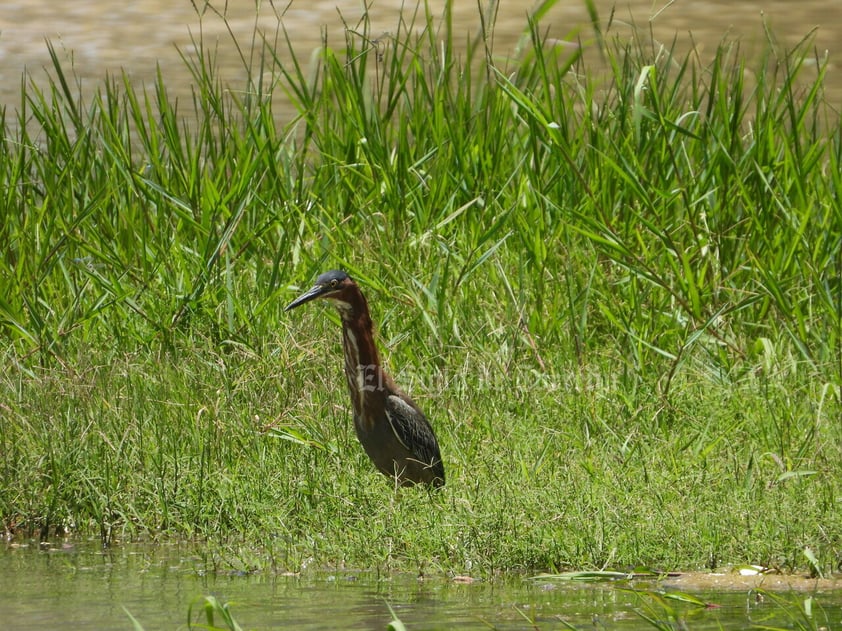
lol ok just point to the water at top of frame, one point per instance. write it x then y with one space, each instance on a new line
96 37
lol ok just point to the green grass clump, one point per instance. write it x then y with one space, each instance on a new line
615 286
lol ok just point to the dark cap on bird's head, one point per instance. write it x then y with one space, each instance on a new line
327 284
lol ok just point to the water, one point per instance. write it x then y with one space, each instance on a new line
83 587
99 36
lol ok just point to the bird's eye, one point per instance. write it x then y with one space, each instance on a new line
334 283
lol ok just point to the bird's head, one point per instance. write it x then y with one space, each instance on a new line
332 285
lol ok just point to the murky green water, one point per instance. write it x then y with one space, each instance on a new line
83 587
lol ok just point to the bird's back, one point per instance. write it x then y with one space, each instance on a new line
403 443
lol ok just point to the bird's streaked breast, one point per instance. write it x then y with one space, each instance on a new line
353 372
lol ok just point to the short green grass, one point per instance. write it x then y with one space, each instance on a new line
610 273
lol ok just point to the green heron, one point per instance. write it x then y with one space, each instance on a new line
393 431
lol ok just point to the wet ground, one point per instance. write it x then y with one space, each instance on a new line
731 579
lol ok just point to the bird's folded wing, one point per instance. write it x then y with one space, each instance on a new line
411 427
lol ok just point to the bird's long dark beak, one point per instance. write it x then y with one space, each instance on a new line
311 294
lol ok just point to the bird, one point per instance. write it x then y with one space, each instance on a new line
392 429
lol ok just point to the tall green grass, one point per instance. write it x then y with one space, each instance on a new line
614 283
669 209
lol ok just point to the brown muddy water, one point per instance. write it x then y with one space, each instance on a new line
96 37
80 586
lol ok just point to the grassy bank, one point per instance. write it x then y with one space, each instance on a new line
610 274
